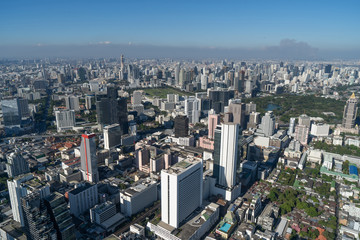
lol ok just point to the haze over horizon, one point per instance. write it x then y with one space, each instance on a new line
321 30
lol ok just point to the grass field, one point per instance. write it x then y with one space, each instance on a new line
162 92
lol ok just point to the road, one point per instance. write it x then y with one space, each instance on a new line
46 135
138 220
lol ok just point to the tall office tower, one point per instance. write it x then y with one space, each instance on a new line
302 134
122 62
304 120
23 106
11 113
88 102
112 136
16 164
65 120
214 120
249 86
217 148
204 82
228 155
181 126
292 126
254 120
328 68
192 109
172 98
106 109
61 78
122 115
122 68
182 77
177 74
36 218
220 98
82 198
112 92
21 186
350 112
110 111
88 158
181 191
72 103
250 107
15 193
60 216
268 124
137 97
238 112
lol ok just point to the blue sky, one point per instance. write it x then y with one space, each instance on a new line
220 24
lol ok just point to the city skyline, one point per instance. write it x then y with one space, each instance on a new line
242 29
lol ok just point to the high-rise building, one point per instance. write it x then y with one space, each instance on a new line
61 78
238 112
72 103
254 120
302 134
23 106
250 107
350 112
328 68
60 216
292 126
82 198
11 113
65 120
177 74
112 136
181 126
88 102
110 111
16 164
182 77
88 158
304 120
137 97
15 194
181 191
214 120
106 109
268 124
37 223
228 155
192 109
21 186
219 98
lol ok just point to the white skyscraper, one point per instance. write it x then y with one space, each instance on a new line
20 187
268 124
181 190
72 103
112 136
16 164
204 82
228 155
192 109
177 74
137 97
65 120
292 126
